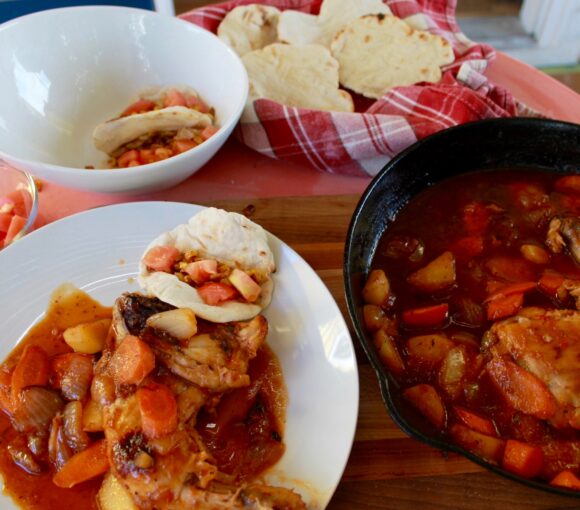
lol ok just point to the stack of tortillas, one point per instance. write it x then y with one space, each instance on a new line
301 60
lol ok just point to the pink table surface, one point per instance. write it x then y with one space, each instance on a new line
239 172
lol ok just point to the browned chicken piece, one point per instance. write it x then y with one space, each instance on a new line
215 359
564 233
539 350
175 471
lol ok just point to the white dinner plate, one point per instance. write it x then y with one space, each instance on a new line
98 251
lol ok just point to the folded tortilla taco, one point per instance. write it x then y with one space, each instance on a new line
219 265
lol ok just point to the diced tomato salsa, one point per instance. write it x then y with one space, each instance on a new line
14 210
494 245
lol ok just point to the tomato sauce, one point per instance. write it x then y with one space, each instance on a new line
245 432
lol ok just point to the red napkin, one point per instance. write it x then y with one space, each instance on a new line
361 143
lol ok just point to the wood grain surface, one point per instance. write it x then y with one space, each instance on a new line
386 469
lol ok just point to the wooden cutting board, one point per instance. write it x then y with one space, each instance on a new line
386 469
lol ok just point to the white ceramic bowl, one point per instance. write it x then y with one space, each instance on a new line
63 71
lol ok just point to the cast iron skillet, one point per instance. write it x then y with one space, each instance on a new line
490 144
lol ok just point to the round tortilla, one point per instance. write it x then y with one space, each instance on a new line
299 76
299 28
378 52
249 27
227 237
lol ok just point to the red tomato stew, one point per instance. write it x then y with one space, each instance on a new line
90 425
472 303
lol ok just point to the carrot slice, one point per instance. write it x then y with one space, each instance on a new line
566 479
508 290
504 306
132 361
568 184
475 422
31 370
522 389
550 283
427 316
158 409
83 466
522 458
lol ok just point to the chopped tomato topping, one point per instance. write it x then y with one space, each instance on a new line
128 158
209 131
192 101
174 98
216 293
183 145
161 258
201 271
245 285
140 106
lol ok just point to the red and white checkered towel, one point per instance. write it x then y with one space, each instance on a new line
361 143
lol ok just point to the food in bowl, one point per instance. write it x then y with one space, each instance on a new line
140 406
18 207
160 124
472 304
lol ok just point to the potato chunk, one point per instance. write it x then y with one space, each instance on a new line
388 352
377 288
437 275
89 337
428 349
113 496
427 401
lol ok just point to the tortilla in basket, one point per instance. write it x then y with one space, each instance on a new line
227 237
378 52
249 27
300 76
299 28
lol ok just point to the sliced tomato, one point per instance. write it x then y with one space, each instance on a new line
180 146
147 156
192 101
16 225
427 316
5 219
201 271
174 98
140 106
161 258
21 200
208 132
128 158
215 293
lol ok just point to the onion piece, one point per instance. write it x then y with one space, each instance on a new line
59 451
22 456
179 323
36 409
72 422
76 381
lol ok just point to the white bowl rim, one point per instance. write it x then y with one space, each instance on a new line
146 168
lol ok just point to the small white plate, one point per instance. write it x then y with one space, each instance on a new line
98 251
